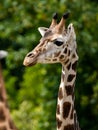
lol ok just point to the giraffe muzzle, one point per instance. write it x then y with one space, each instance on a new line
30 59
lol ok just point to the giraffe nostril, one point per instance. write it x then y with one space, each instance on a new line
30 54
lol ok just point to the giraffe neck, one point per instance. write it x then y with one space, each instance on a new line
66 114
5 120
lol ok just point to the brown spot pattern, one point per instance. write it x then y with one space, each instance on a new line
68 52
54 59
74 65
69 90
73 56
65 50
2 93
69 127
2 115
62 57
68 66
60 94
70 77
72 113
57 54
58 109
73 96
3 128
63 75
66 61
66 109
11 124
59 123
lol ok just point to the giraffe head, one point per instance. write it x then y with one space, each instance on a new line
56 45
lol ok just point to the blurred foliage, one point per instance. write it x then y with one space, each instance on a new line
32 92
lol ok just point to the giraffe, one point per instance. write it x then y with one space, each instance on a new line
6 122
58 45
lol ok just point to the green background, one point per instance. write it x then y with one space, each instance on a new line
32 92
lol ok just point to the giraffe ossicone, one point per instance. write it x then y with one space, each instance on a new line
58 45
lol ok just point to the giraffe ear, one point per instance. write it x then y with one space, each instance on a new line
42 30
71 31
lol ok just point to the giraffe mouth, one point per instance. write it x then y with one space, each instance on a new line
32 64
28 62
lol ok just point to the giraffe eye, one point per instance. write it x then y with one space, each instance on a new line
58 42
